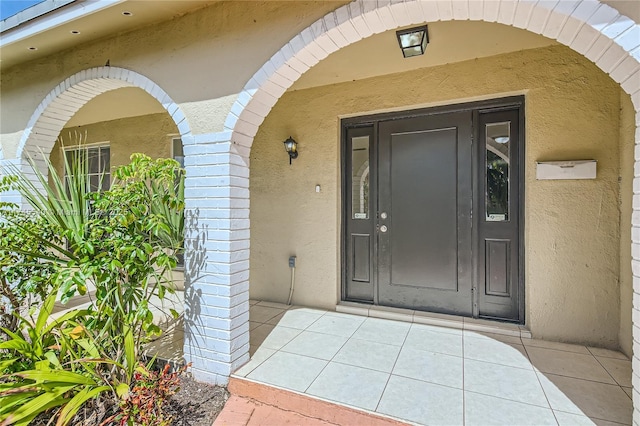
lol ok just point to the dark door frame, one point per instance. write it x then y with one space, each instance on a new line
476 108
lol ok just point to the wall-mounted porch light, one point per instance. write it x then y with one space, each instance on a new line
291 146
413 41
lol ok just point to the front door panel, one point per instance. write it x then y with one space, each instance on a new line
499 215
425 193
432 210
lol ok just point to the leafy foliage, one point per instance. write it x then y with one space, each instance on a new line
149 393
122 242
50 368
24 278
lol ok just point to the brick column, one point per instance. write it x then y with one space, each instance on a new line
217 257
635 265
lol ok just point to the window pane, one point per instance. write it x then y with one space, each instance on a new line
94 160
360 177
105 159
94 181
498 144
178 153
106 182
97 163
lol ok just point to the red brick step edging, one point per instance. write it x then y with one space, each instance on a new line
271 405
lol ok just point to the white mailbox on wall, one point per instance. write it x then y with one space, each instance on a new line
574 169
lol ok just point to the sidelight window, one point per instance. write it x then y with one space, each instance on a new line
360 177
497 147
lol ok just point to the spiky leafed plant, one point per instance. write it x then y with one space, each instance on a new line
123 241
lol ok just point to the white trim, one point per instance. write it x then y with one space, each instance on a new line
86 145
51 20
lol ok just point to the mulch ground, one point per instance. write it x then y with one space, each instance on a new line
196 403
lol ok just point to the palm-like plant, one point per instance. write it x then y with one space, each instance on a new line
123 241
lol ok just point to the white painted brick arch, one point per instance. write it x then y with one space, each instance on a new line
68 97
593 29
589 27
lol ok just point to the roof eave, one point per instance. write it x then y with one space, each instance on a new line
48 15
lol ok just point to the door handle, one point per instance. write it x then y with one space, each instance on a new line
383 228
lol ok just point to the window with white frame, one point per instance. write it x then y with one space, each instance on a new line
98 161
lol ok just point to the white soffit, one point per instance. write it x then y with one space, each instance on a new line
81 21
46 16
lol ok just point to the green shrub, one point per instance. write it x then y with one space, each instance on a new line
123 241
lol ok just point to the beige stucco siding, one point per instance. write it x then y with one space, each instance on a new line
571 227
150 134
202 60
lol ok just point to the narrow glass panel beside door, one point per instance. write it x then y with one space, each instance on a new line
498 249
360 177
498 144
359 243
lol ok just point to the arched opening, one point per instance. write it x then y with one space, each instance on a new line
105 115
271 106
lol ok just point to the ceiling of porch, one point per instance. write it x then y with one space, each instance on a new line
449 42
377 55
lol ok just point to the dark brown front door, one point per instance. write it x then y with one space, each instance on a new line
432 218
424 204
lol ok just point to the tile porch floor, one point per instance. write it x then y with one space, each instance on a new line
435 375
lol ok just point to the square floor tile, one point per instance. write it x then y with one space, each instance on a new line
341 314
429 367
608 353
428 338
382 331
620 369
628 391
275 320
339 326
372 355
260 355
556 345
496 352
259 333
516 384
289 371
262 314
600 422
568 419
492 336
274 305
421 402
487 410
298 318
317 345
278 336
584 397
568 364
355 386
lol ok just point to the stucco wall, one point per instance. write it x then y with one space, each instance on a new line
572 227
202 60
149 134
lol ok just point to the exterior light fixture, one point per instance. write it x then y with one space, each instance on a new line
413 41
291 146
